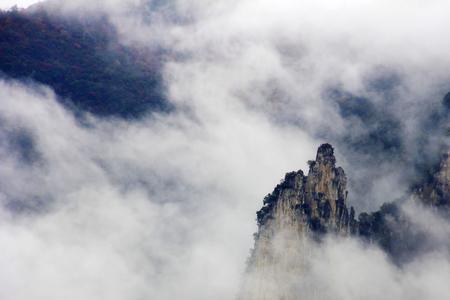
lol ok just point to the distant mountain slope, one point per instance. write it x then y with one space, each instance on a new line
81 61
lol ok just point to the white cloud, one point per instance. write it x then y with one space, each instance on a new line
143 209
345 268
6 4
164 208
348 270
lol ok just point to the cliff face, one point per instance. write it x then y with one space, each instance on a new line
314 203
304 208
300 208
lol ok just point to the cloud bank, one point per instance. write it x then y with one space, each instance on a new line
119 210
163 208
309 64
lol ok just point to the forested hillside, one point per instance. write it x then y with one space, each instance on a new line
82 61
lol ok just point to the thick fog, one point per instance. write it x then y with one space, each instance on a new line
366 76
164 207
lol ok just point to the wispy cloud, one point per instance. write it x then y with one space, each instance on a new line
130 210
163 208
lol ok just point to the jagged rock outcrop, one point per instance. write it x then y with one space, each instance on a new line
314 203
300 208
305 208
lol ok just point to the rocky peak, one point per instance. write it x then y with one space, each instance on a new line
326 183
299 208
303 208
325 155
314 203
